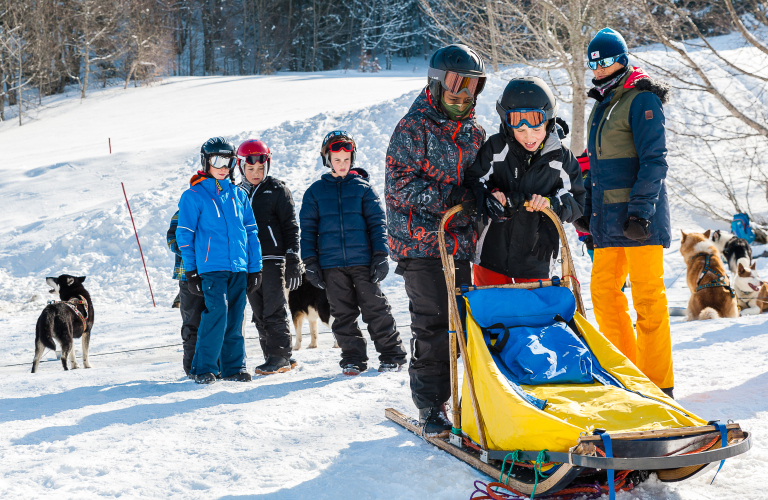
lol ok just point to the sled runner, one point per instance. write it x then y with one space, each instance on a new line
548 403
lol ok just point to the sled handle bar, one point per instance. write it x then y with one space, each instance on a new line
568 269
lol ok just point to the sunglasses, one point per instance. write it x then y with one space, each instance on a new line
457 83
531 117
218 161
337 146
604 63
254 159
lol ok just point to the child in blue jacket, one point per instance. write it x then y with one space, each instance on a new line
344 248
218 239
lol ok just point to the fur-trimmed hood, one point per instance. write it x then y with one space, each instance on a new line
639 79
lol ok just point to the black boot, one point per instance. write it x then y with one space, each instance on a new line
239 377
668 392
433 422
206 378
274 364
293 363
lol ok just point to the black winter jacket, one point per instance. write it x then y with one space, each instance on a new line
504 165
275 216
342 221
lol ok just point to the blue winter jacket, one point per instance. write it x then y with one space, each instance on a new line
217 230
342 221
628 162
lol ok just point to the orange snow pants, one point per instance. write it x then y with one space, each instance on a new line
651 348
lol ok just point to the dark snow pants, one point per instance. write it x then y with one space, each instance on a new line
428 297
350 293
220 336
191 307
270 310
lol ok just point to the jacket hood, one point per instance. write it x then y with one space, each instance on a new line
426 105
639 79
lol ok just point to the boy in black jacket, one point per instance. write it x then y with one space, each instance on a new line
279 237
525 162
344 246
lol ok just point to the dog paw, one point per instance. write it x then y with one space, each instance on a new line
313 345
335 346
296 347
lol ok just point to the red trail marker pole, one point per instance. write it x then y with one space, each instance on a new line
110 144
139 243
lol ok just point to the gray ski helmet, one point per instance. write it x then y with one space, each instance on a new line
528 92
459 59
337 136
217 146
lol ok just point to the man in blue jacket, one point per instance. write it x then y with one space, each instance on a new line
627 211
219 243
344 248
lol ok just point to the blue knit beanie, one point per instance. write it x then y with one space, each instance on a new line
607 43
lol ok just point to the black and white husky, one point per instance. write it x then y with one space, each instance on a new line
734 250
311 303
65 321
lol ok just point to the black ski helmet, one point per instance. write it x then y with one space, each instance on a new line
218 146
337 136
459 59
528 92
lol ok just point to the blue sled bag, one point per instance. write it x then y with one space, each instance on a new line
742 229
533 343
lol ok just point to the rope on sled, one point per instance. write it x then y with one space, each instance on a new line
485 491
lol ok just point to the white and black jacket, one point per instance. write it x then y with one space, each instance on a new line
504 165
275 216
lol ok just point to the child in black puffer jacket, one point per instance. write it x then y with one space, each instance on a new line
344 248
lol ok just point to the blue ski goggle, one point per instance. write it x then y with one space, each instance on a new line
518 117
604 62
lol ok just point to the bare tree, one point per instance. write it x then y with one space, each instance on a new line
96 20
147 42
546 34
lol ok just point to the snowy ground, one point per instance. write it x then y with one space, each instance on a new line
134 427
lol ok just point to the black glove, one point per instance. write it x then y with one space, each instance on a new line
292 271
194 283
516 201
546 243
487 205
254 282
458 193
314 273
636 228
589 242
582 224
379 267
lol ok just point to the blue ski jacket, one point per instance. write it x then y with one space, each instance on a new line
216 229
342 221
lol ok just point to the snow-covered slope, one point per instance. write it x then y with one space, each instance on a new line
133 427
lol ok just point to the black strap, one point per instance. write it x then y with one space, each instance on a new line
502 339
571 324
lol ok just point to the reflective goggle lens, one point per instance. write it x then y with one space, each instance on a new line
455 83
338 146
603 63
220 161
254 159
531 117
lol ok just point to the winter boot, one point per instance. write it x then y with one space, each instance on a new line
433 422
351 369
239 377
205 378
293 363
389 367
668 392
274 364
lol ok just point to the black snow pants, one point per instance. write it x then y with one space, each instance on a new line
270 310
350 293
428 297
191 307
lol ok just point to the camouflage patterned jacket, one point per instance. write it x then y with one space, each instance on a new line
427 157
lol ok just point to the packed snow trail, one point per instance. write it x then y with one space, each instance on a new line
134 427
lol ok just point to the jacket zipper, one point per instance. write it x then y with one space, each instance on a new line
341 220
272 235
461 153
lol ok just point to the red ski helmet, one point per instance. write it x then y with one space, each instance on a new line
254 151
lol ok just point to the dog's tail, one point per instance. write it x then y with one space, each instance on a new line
708 313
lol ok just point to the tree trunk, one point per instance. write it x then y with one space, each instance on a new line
21 74
208 64
86 69
492 29
314 34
